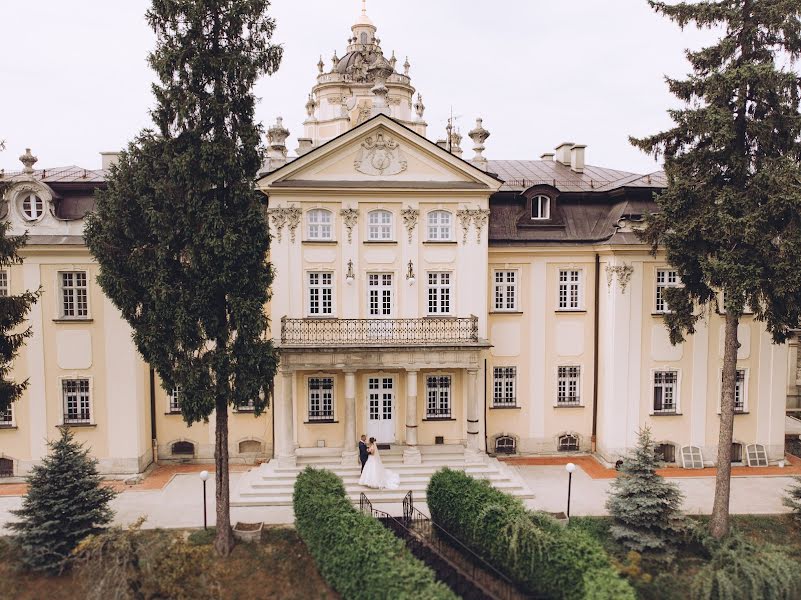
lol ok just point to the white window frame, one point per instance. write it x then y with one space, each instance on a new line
5 282
11 423
568 378
439 389
439 226
743 385
440 297
384 291
62 382
380 230
72 293
503 288
543 205
676 391
321 401
39 203
321 286
570 289
317 228
174 401
670 279
504 387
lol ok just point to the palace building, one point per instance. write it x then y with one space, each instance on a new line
424 296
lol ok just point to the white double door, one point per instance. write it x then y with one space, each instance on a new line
381 408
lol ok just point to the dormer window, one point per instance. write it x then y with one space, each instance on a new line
32 207
540 208
319 224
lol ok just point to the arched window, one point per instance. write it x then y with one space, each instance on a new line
32 207
568 443
665 453
505 444
6 467
540 208
379 226
439 226
319 224
756 455
183 449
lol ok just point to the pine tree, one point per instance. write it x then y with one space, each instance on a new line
792 498
646 509
730 218
66 502
13 311
180 233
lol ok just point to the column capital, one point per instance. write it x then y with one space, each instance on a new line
412 371
472 371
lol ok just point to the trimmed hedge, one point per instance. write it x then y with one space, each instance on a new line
357 555
543 557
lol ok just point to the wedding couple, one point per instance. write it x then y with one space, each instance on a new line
374 475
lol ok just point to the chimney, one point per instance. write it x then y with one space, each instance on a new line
276 144
109 159
577 158
304 145
563 153
547 156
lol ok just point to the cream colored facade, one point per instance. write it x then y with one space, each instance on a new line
419 298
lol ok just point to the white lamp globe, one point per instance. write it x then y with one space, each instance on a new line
570 467
204 475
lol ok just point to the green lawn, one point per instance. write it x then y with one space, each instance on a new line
658 581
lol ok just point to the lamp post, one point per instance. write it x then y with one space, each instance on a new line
569 467
204 476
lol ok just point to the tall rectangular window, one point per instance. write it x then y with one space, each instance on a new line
75 396
379 226
74 295
505 290
568 386
438 397
569 289
665 278
665 392
175 400
321 293
739 391
7 417
4 291
379 294
504 386
439 293
321 399
439 226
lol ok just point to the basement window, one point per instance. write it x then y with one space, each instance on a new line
568 443
505 444
6 467
183 449
665 453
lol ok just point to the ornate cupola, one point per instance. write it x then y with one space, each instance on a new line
360 84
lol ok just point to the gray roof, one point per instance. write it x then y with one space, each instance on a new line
70 174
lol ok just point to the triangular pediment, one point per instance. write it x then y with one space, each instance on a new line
380 153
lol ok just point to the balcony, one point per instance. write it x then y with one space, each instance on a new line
428 331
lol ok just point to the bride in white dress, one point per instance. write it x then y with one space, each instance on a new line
375 475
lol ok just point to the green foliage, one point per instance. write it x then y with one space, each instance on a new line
129 564
66 502
202 537
541 556
13 313
741 570
357 555
646 508
792 499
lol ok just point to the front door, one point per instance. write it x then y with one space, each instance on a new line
381 409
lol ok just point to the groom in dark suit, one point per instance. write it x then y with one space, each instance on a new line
363 454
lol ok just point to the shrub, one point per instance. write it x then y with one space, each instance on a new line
742 570
66 502
357 556
541 556
792 499
646 509
131 564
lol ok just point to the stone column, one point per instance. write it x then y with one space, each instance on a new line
473 452
411 455
350 452
284 422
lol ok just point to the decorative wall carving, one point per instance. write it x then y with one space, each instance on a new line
465 216
289 216
480 218
410 216
622 272
293 214
477 216
380 156
350 216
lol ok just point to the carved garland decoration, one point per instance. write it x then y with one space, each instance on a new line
477 216
480 218
380 156
282 216
350 217
410 216
622 272
465 216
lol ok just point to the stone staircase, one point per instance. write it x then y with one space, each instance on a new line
272 485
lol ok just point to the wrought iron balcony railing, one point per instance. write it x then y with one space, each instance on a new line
382 332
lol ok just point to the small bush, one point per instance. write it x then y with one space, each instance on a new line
202 537
356 555
742 570
792 499
541 556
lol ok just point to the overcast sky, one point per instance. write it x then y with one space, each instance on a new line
74 80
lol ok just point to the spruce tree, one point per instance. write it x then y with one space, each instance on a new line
730 218
66 502
13 312
180 232
646 509
792 498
